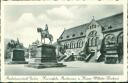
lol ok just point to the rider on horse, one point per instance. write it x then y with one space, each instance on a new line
45 34
46 29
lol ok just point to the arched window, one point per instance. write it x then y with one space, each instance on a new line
110 40
68 45
89 40
72 44
120 45
96 41
93 39
79 43
95 34
120 38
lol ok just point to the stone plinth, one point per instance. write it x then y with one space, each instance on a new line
45 57
111 55
17 56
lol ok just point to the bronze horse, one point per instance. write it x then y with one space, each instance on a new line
45 34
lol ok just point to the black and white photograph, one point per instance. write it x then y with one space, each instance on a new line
69 40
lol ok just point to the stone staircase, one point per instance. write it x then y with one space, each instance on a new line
88 58
61 57
69 58
93 58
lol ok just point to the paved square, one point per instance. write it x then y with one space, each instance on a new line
72 68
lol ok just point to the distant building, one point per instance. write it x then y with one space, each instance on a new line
108 30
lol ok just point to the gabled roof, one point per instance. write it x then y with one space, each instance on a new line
113 22
74 32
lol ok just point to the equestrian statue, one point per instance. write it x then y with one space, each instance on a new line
45 34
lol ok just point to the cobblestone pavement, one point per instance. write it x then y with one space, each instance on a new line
72 68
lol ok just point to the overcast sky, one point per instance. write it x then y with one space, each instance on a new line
21 21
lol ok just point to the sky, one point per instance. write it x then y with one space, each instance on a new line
21 21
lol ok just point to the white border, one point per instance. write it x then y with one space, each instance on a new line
122 78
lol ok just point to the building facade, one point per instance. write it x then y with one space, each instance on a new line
106 31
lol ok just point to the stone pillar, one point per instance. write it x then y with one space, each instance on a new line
45 57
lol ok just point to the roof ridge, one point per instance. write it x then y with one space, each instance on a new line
78 26
95 20
110 16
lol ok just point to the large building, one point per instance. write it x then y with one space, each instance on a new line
106 31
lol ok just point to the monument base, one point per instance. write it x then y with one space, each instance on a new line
45 65
17 56
45 57
18 62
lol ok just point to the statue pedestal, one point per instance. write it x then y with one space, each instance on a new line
17 56
111 55
45 57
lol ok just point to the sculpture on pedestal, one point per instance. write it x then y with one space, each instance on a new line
45 53
17 52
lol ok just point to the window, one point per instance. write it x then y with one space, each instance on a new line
120 38
95 34
90 27
94 26
68 46
67 36
80 43
61 38
96 41
93 39
110 27
110 39
72 44
81 33
103 28
65 46
73 35
89 41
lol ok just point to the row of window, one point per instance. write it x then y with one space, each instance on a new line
93 41
92 33
110 27
81 33
92 26
72 45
